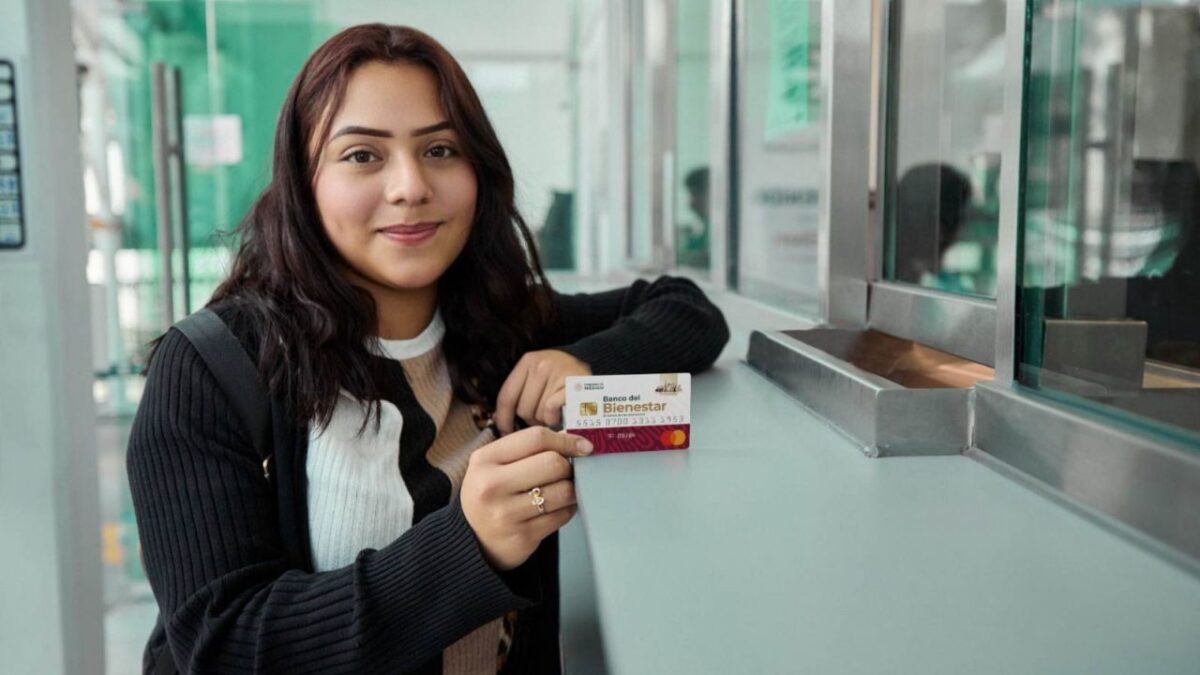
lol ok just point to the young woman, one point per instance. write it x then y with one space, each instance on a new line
391 297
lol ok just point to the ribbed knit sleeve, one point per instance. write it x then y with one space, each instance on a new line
650 327
229 601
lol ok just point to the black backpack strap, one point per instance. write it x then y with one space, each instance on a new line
238 378
236 373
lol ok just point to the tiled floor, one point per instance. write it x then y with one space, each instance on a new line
125 629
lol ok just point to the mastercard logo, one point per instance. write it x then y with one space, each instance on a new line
673 438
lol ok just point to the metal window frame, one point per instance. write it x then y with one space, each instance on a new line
967 326
845 227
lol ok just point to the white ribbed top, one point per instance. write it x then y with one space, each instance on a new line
356 496
429 338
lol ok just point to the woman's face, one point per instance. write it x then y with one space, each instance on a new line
394 192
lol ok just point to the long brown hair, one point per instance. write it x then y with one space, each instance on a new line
314 327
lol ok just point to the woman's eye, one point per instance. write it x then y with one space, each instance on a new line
441 152
359 157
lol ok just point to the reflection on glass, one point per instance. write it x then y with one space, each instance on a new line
1110 298
779 154
692 59
946 62
528 100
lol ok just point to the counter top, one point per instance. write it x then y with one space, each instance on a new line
774 545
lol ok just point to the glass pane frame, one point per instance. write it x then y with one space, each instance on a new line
966 325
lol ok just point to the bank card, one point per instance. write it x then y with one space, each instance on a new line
630 413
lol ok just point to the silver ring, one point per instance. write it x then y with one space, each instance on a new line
538 500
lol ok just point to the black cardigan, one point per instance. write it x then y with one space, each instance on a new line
236 591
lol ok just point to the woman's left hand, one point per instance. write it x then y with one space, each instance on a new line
536 390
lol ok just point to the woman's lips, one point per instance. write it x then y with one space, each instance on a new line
410 234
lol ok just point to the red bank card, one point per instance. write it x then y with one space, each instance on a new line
631 413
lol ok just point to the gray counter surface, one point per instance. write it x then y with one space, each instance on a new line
774 546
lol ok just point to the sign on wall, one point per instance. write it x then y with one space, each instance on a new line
791 74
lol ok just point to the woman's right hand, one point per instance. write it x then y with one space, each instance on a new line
496 492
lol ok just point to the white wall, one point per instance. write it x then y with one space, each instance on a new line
50 607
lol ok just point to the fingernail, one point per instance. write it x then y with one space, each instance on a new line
583 445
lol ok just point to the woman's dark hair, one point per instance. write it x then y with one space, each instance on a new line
315 329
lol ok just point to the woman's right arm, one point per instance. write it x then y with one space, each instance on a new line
230 603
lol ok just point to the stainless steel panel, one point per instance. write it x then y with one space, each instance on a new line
844 234
1180 406
922 421
885 418
956 324
1149 485
1111 352
832 388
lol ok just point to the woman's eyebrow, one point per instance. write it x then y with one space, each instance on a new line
361 131
383 133
430 129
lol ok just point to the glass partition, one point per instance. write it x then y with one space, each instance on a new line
1109 297
944 127
780 151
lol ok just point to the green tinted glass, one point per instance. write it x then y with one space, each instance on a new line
1109 301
